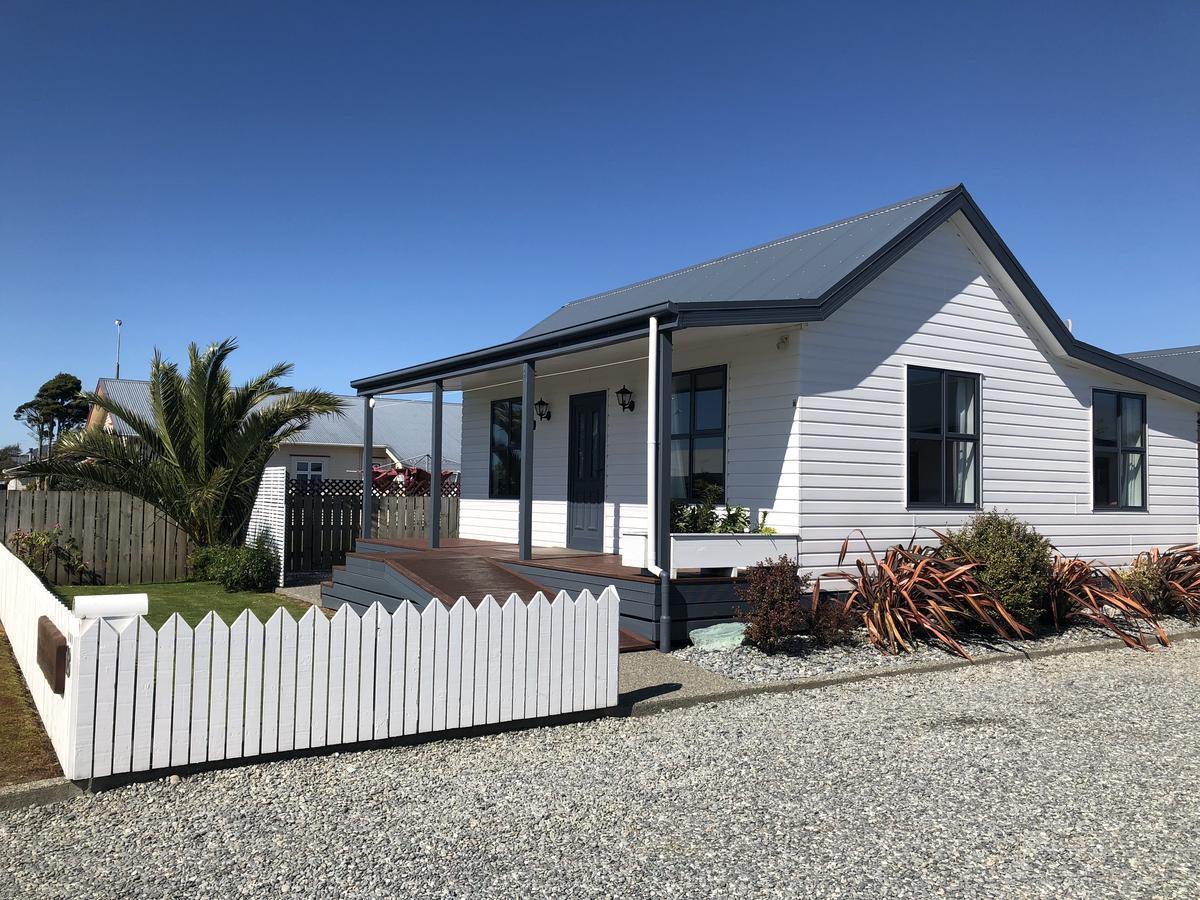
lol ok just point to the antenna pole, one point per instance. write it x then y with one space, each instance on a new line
118 348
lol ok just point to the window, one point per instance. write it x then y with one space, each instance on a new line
1118 450
698 434
310 470
504 482
943 438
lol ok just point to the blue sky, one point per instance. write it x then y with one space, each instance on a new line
358 187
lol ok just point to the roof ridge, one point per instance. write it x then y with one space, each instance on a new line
1166 351
821 229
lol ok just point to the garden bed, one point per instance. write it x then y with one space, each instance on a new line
805 658
191 599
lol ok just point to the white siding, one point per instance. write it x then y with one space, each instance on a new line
937 307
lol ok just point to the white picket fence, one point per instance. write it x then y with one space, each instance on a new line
139 699
24 600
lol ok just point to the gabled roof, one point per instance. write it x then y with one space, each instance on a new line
402 426
801 266
1182 362
806 277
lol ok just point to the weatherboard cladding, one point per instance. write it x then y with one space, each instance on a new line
800 267
403 426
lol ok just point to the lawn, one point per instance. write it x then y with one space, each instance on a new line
25 751
191 599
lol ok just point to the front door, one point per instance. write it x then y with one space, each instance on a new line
585 478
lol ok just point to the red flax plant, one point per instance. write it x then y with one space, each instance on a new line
914 592
1082 592
1176 580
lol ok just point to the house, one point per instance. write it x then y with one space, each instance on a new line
331 446
892 372
1182 362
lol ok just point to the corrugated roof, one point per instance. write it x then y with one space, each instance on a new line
801 266
403 426
1182 362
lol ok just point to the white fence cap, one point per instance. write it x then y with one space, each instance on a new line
102 606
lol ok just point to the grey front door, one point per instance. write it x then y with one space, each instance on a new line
585 477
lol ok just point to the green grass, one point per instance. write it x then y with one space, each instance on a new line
25 751
191 599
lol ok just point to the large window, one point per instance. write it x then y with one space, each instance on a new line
943 438
1118 450
698 434
504 481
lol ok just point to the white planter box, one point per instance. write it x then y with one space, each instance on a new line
729 551
712 551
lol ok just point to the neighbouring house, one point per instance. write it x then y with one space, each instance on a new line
331 446
892 372
1182 362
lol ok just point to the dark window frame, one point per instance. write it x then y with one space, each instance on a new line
512 464
1120 450
692 433
944 439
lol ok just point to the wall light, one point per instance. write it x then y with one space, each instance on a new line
542 408
625 399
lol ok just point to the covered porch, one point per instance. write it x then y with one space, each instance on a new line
568 463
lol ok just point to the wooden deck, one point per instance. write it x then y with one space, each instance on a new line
474 569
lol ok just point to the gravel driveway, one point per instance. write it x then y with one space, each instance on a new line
1070 776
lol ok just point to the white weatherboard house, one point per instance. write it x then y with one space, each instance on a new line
891 372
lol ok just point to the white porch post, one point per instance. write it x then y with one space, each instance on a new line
662 524
367 455
435 470
525 503
651 552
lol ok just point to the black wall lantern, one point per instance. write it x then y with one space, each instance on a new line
542 408
625 398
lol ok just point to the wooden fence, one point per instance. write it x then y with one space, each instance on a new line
122 539
321 527
137 699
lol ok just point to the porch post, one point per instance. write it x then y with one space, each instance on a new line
662 523
525 504
368 448
435 470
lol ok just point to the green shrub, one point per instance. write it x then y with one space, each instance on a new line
1147 582
1014 562
252 568
41 550
205 562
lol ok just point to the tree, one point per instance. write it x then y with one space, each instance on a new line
201 455
9 456
56 409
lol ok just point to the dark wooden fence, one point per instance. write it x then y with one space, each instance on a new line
324 521
122 539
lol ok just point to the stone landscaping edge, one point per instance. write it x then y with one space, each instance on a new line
56 790
38 793
656 705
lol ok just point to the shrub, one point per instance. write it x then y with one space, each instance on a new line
777 607
917 592
703 518
1012 560
252 568
1081 592
40 550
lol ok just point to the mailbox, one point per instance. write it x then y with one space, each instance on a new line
53 654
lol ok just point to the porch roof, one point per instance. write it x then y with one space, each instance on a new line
804 277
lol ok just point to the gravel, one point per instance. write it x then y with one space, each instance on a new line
1071 776
806 659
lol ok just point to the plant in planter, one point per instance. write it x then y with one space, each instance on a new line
703 518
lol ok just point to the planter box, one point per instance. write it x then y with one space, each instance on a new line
726 553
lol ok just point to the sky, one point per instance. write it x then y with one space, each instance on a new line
358 187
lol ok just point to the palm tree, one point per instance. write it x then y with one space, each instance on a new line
201 456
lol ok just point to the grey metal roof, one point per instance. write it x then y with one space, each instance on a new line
1182 362
802 266
403 426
